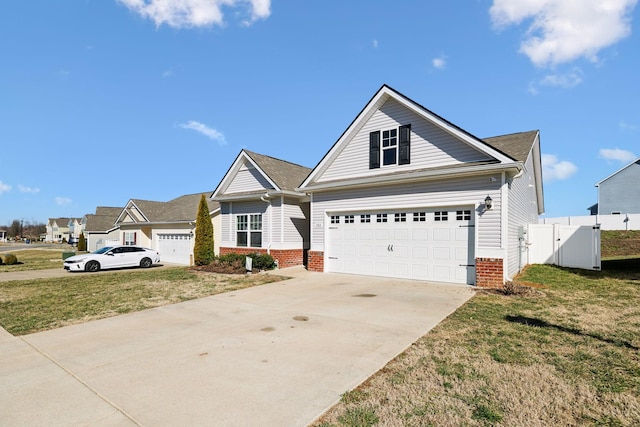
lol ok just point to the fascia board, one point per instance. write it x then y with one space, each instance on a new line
257 196
418 176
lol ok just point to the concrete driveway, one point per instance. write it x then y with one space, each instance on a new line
273 355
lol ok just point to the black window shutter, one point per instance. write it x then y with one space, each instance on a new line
374 150
405 145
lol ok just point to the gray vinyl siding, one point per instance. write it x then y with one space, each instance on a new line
430 146
296 224
248 178
229 210
620 192
452 192
523 210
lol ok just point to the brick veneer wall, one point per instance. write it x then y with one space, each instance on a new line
316 261
285 257
489 272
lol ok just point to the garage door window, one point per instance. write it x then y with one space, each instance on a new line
463 215
348 219
381 218
400 217
441 216
365 218
419 216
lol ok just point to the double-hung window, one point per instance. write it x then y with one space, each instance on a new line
129 238
390 147
249 230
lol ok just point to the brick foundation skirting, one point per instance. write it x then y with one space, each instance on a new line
284 257
316 261
489 272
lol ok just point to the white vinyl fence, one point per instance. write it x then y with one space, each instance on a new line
606 222
564 245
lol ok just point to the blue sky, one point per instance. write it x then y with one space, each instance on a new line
102 101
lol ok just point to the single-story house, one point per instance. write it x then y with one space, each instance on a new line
402 193
619 193
100 229
261 210
168 227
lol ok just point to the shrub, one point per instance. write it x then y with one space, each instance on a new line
203 252
82 243
263 261
1 260
10 259
231 259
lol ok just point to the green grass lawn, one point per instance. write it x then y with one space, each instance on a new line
28 306
34 259
566 352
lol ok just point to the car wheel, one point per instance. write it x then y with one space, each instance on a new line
145 262
92 266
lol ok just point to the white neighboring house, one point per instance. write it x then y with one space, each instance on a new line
75 228
100 229
168 227
405 193
57 230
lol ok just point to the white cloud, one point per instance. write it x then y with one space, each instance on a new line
63 201
375 43
205 130
25 189
626 126
565 30
617 154
555 170
196 13
563 80
4 188
439 62
167 74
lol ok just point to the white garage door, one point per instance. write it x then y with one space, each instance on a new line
175 248
422 244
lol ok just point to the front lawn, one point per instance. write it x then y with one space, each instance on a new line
28 306
565 353
34 259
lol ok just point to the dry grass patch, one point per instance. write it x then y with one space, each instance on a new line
36 305
567 354
34 259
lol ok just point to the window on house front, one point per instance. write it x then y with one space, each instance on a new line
390 147
129 238
249 230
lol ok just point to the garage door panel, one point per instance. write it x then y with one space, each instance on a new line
410 245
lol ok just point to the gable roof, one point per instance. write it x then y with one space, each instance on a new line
180 209
283 176
383 95
515 145
635 162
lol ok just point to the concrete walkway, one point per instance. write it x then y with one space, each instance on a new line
274 355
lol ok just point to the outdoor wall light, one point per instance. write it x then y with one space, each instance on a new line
488 202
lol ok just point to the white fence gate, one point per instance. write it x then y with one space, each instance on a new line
564 245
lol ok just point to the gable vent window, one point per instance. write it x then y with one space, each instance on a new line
365 218
392 145
348 219
381 218
400 217
441 216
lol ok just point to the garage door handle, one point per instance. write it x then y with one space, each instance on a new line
467 265
333 257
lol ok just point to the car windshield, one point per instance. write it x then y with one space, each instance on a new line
103 250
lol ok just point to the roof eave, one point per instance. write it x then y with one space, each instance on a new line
426 175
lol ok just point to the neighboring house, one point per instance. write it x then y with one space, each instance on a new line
3 236
57 230
619 193
261 210
100 229
75 228
169 227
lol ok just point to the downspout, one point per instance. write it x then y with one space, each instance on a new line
265 199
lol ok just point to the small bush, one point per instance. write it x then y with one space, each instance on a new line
10 259
263 261
1 262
